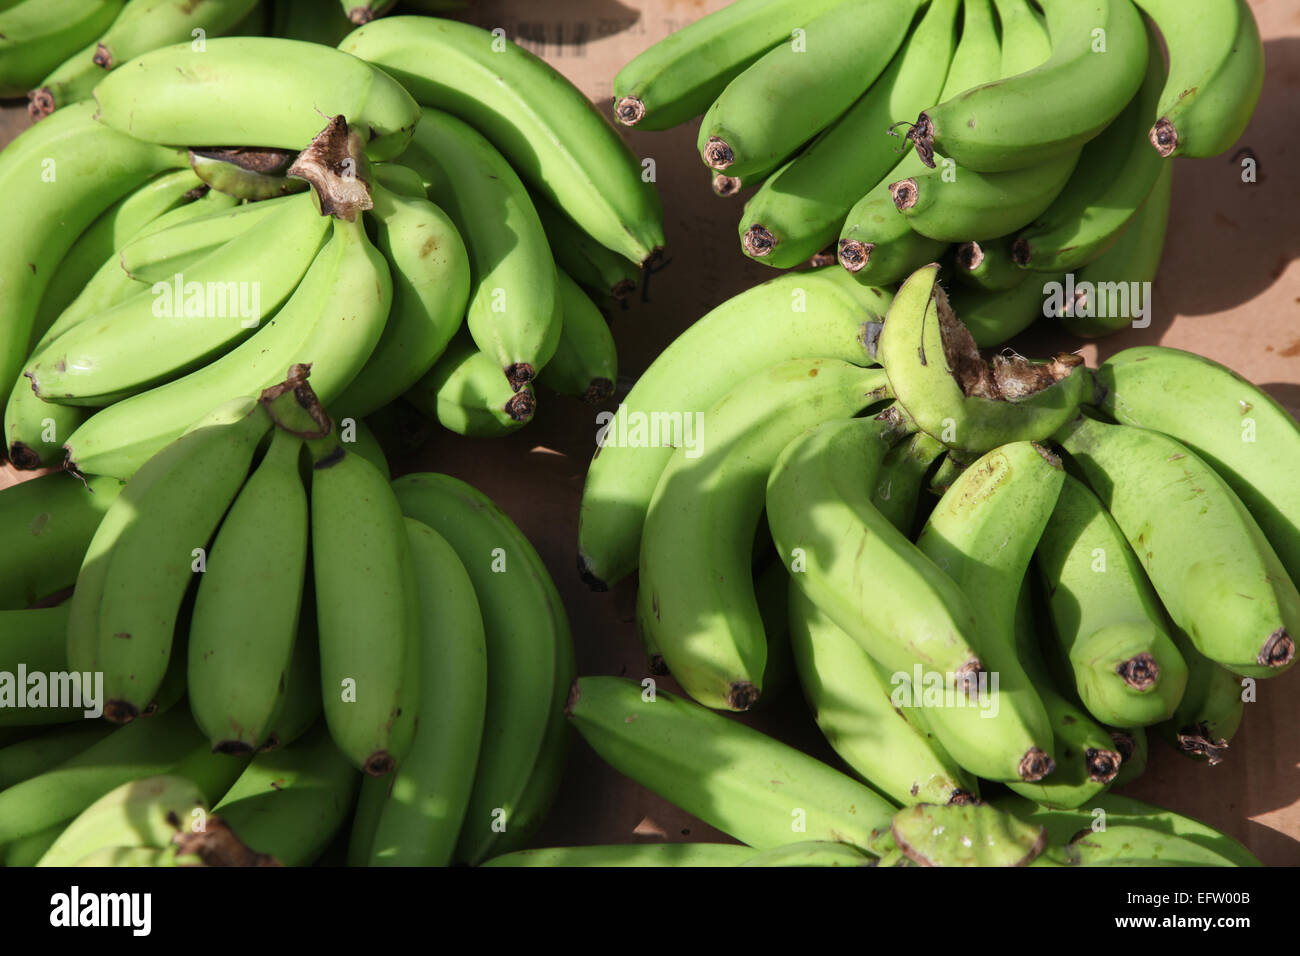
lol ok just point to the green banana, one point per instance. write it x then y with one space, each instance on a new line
173 327
514 306
248 174
142 25
425 805
1112 291
141 813
902 476
630 854
695 595
681 75
798 210
1099 56
831 536
994 317
430 268
1087 758
1212 567
987 265
32 757
811 853
965 835
310 21
334 318
143 748
1025 40
982 534
58 177
1115 174
819 314
180 239
545 127
47 524
254 91
355 431
117 225
467 394
31 644
1107 621
1250 440
876 243
1210 710
937 374
1216 73
289 804
585 362
529 652
1134 846
787 96
367 609
38 35
140 560
301 703
950 207
600 269
753 788
851 699
1061 825
245 619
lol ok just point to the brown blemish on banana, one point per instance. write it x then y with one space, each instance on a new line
629 110
1163 136
742 695
853 254
267 161
335 164
758 241
904 193
1035 765
1140 672
717 154
23 458
1195 740
1278 650
120 711
1102 765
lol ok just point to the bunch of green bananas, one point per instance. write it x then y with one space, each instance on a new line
1037 147
1150 495
407 582
131 304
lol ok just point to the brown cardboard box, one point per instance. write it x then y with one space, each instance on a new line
1229 288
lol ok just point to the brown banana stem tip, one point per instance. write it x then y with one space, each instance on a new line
922 136
758 241
853 254
40 103
1102 764
23 458
1021 252
1035 765
1278 650
103 56
970 255
966 677
335 164
658 666
120 711
1125 743
361 15
521 405
904 193
1140 671
379 763
726 186
1195 740
717 154
1164 137
519 375
629 110
960 798
622 289
742 695
599 390
824 258
234 748
575 695
589 576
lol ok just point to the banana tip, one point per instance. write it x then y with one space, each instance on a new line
1125 743
1139 672
1278 650
622 289
970 255
1164 137
521 406
658 666
588 574
629 110
824 258
520 374
233 748
380 763
23 458
717 154
904 193
1102 765
758 241
1035 765
1021 252
854 254
599 390
361 15
40 103
575 695
742 695
922 136
726 186
1196 740
120 711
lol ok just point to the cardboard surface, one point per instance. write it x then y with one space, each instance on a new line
1229 288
